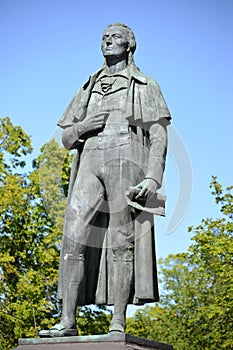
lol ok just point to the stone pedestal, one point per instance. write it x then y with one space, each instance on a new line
114 341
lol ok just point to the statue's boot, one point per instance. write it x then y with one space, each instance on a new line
73 274
123 279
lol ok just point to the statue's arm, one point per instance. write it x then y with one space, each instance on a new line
158 151
72 134
71 137
156 161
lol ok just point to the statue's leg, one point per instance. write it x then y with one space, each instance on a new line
78 227
120 173
82 209
72 280
73 276
123 284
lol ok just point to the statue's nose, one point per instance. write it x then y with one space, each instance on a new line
109 41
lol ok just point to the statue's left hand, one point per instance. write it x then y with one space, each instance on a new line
145 189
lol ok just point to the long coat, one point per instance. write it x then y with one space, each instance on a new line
144 106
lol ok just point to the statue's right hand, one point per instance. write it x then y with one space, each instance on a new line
92 122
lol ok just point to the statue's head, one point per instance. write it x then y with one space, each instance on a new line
118 40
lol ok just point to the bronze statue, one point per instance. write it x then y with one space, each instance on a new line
117 123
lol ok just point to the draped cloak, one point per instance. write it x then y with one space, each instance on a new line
144 106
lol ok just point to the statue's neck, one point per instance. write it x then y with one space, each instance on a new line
115 65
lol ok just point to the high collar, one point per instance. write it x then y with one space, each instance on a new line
125 73
132 72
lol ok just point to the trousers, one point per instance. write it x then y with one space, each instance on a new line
98 201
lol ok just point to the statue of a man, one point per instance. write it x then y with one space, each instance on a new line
117 123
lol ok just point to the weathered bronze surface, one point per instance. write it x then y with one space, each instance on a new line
117 123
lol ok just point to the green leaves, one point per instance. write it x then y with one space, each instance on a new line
93 320
226 199
14 143
29 235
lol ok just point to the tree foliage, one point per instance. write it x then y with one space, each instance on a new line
29 234
92 321
196 309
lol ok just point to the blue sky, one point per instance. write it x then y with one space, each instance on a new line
49 48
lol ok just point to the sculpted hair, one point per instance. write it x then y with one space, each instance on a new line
131 39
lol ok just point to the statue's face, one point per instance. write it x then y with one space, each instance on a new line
115 42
